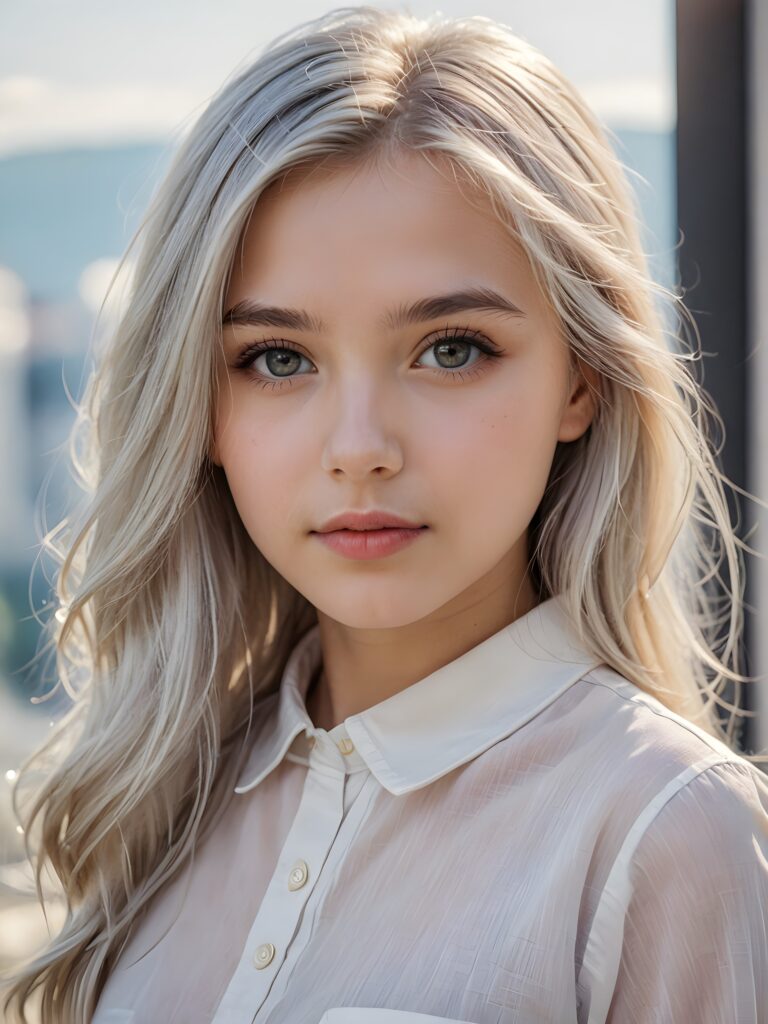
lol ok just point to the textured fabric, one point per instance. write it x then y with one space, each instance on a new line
522 836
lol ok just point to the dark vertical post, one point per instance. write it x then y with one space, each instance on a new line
712 190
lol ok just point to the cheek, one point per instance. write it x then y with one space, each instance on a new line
495 457
261 475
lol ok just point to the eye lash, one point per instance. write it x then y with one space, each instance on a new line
450 333
250 351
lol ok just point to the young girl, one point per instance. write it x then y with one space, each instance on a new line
394 607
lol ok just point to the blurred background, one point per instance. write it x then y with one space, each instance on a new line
94 98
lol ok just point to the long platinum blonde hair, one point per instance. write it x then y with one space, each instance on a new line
170 621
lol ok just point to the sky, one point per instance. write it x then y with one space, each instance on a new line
93 73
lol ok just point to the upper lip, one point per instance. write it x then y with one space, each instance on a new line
372 520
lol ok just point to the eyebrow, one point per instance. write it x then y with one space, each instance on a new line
249 313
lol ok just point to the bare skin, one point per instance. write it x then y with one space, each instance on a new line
359 416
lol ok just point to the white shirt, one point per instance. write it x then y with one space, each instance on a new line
522 836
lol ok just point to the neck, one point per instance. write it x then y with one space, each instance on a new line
363 667
316 701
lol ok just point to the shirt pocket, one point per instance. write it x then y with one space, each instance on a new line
371 1015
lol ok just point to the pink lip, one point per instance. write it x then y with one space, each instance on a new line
366 544
372 519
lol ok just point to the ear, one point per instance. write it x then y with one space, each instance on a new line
582 402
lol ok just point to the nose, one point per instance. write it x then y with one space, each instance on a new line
361 438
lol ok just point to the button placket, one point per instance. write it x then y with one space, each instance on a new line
365 789
309 839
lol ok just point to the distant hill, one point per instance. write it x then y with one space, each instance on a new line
59 211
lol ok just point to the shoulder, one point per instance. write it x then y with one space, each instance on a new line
679 931
686 883
701 839
649 732
663 783
699 811
712 828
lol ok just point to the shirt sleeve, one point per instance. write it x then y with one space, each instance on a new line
695 942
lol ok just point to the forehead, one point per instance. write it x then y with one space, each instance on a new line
407 223
396 171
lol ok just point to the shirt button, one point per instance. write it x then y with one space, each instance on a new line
346 746
263 956
298 875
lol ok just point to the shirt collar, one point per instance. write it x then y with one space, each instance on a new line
443 720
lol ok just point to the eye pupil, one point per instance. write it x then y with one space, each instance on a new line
451 347
280 359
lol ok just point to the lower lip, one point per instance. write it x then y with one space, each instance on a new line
365 544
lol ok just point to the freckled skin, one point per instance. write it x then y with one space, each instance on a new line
369 421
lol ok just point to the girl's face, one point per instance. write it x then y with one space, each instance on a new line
365 396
